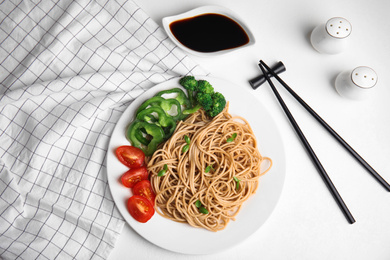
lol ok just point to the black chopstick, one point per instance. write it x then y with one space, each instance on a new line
330 130
312 154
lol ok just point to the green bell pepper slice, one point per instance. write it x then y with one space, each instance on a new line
140 136
181 96
165 104
165 121
152 130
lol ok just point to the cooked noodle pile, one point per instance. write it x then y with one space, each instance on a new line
186 181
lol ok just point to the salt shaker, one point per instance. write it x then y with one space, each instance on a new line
357 83
332 37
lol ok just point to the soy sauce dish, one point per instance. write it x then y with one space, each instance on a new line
208 31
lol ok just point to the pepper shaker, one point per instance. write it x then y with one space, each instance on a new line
356 83
332 37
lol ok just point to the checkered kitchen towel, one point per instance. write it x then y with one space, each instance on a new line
68 69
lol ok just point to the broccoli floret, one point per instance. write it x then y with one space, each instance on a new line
189 82
219 103
191 85
205 87
201 95
205 100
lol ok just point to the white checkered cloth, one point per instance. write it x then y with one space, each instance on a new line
68 69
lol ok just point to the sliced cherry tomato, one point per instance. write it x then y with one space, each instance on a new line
130 156
132 176
140 208
144 189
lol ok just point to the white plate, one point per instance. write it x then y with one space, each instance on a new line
207 10
181 237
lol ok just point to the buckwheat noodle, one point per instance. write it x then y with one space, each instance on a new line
186 181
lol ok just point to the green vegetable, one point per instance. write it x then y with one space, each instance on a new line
185 148
151 119
191 110
205 87
154 112
191 85
141 137
187 139
231 139
209 168
165 104
205 100
201 95
181 96
219 103
154 123
237 182
163 171
165 121
201 208
153 131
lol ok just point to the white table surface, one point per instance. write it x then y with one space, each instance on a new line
307 223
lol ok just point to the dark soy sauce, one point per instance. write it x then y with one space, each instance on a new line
209 33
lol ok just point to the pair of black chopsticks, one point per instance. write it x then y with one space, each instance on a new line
312 154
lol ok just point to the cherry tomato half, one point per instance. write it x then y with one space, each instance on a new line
132 176
144 189
140 208
130 156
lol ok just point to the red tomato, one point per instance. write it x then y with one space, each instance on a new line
132 176
130 156
144 189
140 208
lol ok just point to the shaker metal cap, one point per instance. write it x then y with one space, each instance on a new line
338 27
364 77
